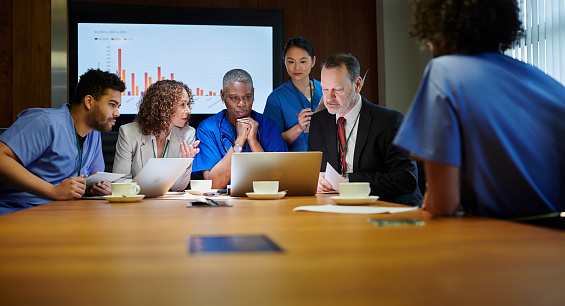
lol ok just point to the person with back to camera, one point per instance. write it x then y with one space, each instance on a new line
160 130
489 128
47 153
292 103
237 128
355 136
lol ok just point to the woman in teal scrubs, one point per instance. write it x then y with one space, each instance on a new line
292 103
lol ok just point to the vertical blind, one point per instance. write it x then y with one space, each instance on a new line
544 43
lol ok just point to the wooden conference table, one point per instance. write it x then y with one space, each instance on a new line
95 253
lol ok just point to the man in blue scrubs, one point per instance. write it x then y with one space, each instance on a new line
236 129
489 128
47 153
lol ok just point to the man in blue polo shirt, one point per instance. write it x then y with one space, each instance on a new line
47 153
236 129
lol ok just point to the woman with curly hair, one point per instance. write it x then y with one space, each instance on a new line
160 130
487 126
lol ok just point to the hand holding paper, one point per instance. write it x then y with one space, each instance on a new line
102 177
333 177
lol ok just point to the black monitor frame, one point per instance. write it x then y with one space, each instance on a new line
89 12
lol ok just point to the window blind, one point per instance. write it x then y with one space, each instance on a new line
543 44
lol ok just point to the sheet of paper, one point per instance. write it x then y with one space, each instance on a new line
190 197
339 209
184 196
101 177
333 177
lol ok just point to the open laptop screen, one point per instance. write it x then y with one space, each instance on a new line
297 172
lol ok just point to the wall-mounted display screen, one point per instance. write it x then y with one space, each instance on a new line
197 55
144 44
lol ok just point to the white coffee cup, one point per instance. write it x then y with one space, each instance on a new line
359 190
200 185
125 189
266 187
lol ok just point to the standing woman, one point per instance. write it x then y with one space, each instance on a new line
160 130
292 103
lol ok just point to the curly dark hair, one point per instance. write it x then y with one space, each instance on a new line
157 106
96 82
466 26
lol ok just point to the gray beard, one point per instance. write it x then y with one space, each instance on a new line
350 101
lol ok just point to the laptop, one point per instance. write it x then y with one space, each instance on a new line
297 172
159 175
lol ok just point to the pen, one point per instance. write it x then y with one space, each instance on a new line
88 171
212 202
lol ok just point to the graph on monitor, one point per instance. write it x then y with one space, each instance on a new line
197 55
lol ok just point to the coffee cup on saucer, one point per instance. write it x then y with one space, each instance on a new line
125 189
266 187
357 190
201 185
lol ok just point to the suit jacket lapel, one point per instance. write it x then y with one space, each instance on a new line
146 149
362 131
331 142
174 144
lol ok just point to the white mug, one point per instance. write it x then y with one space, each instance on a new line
359 190
200 185
266 187
125 189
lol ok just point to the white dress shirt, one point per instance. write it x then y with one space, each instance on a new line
350 124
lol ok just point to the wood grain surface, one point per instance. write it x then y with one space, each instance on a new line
97 253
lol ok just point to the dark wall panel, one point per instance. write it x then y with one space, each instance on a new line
6 63
331 25
334 26
28 62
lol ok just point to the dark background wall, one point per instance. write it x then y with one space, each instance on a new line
25 41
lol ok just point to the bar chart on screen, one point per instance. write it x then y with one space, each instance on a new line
197 55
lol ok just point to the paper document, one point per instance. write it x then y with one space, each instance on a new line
101 177
329 208
183 196
333 177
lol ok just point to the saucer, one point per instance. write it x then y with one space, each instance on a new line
354 201
266 196
200 192
130 199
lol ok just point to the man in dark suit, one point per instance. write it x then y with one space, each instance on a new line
361 150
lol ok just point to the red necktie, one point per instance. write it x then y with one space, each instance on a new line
342 143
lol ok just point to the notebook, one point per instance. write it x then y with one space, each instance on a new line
159 175
297 172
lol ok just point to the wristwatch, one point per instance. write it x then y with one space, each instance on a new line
237 148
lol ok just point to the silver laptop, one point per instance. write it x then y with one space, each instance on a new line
297 172
159 175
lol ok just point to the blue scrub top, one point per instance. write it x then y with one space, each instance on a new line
214 143
284 103
45 141
501 122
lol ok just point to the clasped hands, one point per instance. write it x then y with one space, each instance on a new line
246 129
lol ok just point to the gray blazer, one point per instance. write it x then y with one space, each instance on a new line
134 149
